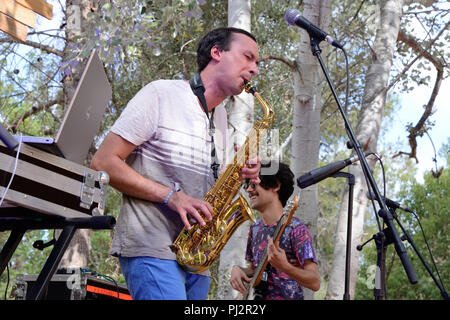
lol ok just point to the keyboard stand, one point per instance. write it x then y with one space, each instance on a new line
19 220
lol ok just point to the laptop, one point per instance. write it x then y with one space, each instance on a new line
82 118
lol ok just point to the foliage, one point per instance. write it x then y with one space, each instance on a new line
26 259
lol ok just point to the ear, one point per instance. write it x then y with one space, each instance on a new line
216 53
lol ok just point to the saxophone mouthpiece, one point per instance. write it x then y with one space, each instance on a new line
249 88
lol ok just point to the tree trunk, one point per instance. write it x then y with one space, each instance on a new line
308 84
240 118
77 254
367 132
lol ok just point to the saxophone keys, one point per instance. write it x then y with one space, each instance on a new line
185 256
199 258
208 242
221 227
217 203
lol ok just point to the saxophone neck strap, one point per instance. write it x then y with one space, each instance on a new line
199 90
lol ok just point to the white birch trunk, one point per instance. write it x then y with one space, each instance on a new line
367 131
308 84
77 253
240 118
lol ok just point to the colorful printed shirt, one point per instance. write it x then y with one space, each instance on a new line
295 241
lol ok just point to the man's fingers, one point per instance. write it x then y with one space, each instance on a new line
238 285
251 169
256 180
270 242
205 209
242 288
254 160
196 215
184 218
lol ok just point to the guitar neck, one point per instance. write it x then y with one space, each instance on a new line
282 223
257 275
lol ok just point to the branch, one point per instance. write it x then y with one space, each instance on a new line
45 33
36 45
420 127
290 64
357 12
421 52
35 110
415 45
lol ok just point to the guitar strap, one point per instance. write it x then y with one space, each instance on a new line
199 90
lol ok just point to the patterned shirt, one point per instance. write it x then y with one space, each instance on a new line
295 241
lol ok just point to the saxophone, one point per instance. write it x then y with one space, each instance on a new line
198 248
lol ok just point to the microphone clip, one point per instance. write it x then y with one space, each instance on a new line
378 237
359 247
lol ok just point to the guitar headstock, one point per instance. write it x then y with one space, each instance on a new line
292 205
289 209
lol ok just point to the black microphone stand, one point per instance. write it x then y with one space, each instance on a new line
382 240
351 183
399 247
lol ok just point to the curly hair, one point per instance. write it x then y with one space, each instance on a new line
220 37
283 178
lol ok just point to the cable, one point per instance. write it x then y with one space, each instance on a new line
347 81
384 195
7 280
365 176
381 238
382 170
14 171
348 133
429 250
3 198
108 278
115 283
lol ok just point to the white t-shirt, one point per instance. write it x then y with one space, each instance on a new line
171 131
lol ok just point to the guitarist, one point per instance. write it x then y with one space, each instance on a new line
291 260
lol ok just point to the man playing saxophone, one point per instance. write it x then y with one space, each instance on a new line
158 155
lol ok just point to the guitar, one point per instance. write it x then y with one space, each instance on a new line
285 219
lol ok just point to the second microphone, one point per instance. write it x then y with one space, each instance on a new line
324 172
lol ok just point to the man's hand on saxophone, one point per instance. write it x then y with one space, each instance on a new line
251 170
189 208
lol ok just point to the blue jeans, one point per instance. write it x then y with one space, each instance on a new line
151 278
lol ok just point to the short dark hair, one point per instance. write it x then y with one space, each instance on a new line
220 37
284 177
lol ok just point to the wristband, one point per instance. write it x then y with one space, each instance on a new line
176 188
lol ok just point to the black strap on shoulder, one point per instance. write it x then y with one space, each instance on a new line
199 90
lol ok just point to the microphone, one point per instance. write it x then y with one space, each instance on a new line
324 172
390 203
294 17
